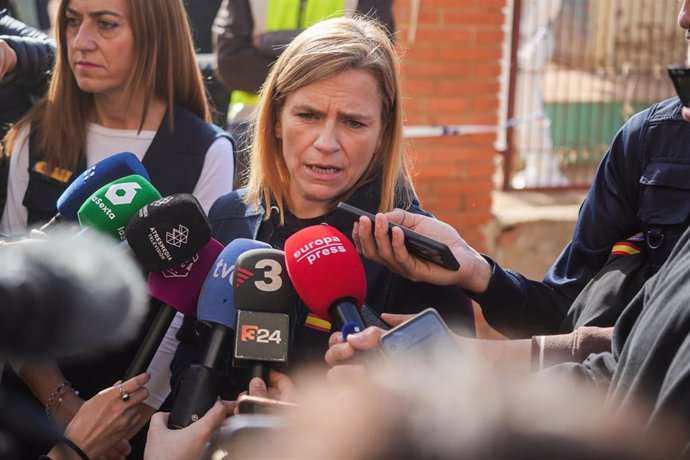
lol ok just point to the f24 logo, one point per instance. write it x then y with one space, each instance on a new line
253 333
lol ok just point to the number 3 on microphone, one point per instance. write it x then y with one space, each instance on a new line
272 280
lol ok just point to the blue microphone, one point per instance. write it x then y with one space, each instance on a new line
105 171
200 385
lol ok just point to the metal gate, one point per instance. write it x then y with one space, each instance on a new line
580 69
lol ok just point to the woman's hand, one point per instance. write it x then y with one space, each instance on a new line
474 273
101 425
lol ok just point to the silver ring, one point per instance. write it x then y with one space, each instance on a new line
123 393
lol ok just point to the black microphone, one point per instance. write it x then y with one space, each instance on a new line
168 231
264 297
171 238
64 296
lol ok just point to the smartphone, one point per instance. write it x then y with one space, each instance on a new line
257 405
372 318
418 245
418 339
680 76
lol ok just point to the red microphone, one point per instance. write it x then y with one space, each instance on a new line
328 275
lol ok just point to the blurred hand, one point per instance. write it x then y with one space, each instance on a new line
101 424
8 59
340 353
187 443
280 387
474 273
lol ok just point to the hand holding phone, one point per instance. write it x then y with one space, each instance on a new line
417 244
417 339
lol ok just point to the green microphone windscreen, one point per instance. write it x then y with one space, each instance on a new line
110 208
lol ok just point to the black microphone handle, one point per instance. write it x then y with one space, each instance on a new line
198 392
151 342
219 345
260 369
345 311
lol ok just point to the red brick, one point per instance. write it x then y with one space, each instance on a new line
429 16
444 36
488 70
418 86
481 104
471 54
466 88
486 37
422 53
486 17
452 3
450 77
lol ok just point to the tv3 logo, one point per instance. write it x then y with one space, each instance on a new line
272 279
253 333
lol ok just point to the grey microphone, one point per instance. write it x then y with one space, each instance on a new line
64 295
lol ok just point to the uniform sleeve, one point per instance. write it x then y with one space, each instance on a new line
35 55
15 215
217 174
241 66
519 307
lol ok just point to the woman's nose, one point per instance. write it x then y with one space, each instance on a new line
327 141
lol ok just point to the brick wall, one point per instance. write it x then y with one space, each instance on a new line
450 76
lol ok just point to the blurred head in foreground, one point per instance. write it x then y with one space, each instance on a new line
452 411
67 295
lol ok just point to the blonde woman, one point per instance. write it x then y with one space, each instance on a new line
329 129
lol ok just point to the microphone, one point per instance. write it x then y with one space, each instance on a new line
64 296
178 288
328 275
265 297
200 385
111 207
167 231
105 171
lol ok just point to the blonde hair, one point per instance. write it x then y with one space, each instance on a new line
320 52
164 66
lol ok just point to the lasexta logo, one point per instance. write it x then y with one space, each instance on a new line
124 193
